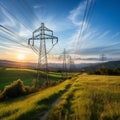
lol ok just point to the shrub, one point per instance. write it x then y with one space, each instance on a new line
16 89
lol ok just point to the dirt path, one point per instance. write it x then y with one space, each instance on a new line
47 112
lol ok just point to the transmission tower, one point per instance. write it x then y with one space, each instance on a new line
38 45
102 58
64 57
72 65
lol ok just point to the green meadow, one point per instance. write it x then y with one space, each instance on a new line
28 76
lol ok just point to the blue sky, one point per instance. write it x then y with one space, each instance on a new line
65 17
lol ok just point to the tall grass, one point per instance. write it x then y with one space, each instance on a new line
91 97
31 107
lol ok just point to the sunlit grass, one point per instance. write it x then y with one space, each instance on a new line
91 97
30 107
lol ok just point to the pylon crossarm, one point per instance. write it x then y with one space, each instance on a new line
43 38
37 38
54 43
49 37
47 29
37 30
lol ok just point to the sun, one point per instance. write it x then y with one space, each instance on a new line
21 57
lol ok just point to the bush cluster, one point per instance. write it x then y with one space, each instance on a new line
16 89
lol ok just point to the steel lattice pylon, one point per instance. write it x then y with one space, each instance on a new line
64 63
64 57
42 34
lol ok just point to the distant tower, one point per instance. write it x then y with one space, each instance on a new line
64 64
64 57
39 37
71 65
102 58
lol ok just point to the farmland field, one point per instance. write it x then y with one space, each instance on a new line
84 97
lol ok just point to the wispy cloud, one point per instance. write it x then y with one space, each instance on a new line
93 42
76 14
38 6
76 17
14 25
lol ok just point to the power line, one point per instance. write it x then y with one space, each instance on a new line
8 31
13 41
84 18
90 12
14 16
90 5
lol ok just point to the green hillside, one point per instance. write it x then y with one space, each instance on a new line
28 76
108 65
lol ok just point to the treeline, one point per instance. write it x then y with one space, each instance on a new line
106 71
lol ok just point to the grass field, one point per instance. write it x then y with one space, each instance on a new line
28 76
90 97
84 97
31 107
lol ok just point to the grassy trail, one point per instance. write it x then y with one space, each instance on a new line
30 107
45 114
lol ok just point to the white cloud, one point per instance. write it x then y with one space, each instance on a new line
76 14
76 17
18 28
38 6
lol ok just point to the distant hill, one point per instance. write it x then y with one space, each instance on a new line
30 65
14 64
109 65
57 66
